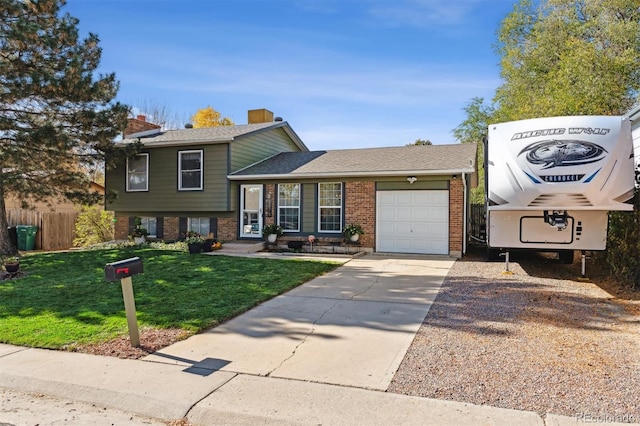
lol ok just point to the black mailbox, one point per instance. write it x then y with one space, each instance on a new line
123 269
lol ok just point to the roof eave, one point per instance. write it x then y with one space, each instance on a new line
151 144
394 173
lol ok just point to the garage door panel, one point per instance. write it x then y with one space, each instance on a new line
403 213
386 213
424 230
413 221
403 198
422 198
440 214
404 244
386 198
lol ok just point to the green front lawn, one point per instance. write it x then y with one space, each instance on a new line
63 300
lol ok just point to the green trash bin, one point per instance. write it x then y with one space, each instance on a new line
26 237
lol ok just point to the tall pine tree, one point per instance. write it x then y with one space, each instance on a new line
56 118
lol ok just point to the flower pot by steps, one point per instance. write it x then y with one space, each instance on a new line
272 238
194 248
354 238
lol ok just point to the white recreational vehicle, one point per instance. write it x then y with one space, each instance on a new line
634 116
551 181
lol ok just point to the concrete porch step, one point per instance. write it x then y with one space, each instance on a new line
241 247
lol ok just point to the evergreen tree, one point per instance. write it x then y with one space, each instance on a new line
56 119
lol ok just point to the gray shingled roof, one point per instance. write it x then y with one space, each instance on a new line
418 159
205 134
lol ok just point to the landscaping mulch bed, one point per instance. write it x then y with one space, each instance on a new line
538 340
151 340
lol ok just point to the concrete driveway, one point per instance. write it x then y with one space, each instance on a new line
349 327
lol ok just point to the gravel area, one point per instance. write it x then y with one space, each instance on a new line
537 340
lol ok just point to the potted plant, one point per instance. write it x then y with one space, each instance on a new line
271 232
11 264
208 243
138 233
352 232
194 242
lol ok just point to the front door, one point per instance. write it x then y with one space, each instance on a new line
251 211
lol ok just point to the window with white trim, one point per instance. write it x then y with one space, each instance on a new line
138 173
289 206
150 224
199 225
330 207
189 170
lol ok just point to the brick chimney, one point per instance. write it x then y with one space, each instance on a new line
139 124
260 116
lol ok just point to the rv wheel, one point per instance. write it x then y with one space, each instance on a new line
566 256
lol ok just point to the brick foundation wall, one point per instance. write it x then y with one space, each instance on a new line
121 228
227 229
270 194
360 208
171 228
456 217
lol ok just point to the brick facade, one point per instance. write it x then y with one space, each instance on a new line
227 228
171 228
456 217
121 228
360 208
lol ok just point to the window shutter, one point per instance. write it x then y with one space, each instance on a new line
182 227
213 226
132 224
160 227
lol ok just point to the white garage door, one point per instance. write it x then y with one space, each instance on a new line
413 222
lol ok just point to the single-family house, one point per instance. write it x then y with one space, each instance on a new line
232 181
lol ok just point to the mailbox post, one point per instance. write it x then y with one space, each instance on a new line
123 270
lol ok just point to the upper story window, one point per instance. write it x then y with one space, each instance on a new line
289 206
330 207
138 173
189 170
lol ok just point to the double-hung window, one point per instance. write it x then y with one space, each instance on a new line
330 207
138 173
199 225
289 206
190 170
150 224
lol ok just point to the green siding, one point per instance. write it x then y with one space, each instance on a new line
309 202
252 148
163 194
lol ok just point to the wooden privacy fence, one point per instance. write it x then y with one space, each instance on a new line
56 231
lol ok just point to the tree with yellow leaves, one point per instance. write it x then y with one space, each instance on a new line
209 117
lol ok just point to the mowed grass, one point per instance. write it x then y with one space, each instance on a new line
64 301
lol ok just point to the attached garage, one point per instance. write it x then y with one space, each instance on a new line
407 199
412 221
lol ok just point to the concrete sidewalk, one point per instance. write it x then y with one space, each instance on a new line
321 354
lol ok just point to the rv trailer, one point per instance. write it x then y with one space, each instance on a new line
550 182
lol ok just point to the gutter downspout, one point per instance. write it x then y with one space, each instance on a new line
464 215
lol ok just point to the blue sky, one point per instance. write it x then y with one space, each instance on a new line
343 73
